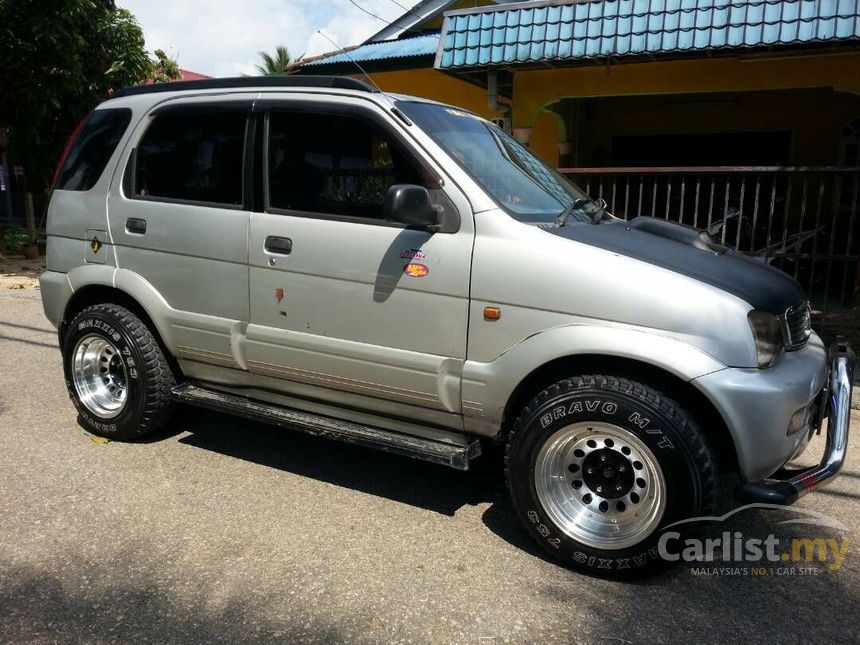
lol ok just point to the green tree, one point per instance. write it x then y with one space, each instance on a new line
164 69
60 58
277 64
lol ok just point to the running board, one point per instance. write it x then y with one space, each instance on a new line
447 454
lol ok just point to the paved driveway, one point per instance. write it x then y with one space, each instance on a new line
226 530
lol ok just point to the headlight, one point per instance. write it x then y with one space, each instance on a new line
767 335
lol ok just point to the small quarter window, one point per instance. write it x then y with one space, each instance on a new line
333 164
192 155
92 148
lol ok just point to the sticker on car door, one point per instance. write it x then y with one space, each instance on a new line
416 270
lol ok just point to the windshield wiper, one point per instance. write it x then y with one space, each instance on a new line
576 205
563 216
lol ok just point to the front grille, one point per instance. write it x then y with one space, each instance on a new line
796 326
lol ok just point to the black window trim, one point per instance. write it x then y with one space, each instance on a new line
274 105
129 184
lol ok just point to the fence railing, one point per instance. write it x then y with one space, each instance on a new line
803 220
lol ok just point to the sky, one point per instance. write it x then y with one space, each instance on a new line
223 37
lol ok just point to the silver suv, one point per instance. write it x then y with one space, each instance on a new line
402 274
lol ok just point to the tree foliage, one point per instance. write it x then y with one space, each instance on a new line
277 64
163 69
60 58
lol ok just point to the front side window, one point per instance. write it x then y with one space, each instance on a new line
333 164
193 155
522 184
92 148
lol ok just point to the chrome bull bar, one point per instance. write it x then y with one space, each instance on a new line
786 487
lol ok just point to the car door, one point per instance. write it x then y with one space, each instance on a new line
180 218
367 313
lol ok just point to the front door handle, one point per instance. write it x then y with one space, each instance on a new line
279 245
135 225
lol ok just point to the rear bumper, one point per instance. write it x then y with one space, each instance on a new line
786 487
56 291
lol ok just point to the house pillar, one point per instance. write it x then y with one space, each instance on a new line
565 148
523 135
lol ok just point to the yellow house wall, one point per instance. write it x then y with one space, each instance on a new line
435 85
544 138
534 89
432 84
648 87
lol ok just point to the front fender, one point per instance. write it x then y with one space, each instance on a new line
487 387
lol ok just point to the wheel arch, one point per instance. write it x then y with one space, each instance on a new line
674 387
99 292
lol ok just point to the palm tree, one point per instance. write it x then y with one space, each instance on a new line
277 64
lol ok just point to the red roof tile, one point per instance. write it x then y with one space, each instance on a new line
184 75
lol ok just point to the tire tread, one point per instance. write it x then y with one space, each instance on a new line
686 425
158 374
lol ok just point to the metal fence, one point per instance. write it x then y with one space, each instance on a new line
800 219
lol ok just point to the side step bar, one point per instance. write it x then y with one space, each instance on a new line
447 454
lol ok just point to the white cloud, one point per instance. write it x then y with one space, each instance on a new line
352 26
223 37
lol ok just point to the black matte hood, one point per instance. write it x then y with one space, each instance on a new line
685 250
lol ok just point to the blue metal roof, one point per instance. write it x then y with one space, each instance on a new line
541 31
405 48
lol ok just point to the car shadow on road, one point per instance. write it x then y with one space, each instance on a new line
424 485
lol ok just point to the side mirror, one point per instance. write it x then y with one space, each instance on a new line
410 205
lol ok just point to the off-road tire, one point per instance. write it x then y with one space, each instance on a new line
148 405
672 435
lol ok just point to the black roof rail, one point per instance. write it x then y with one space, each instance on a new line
339 82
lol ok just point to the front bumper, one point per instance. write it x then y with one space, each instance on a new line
787 486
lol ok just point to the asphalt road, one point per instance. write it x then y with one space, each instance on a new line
225 530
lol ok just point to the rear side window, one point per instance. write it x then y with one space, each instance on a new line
193 155
90 151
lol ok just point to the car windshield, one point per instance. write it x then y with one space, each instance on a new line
527 188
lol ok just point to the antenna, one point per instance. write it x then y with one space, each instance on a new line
360 68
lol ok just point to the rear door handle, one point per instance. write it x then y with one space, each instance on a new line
279 245
135 225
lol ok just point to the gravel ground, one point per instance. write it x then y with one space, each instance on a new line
225 530
17 272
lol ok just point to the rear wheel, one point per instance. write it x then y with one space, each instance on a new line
116 373
596 465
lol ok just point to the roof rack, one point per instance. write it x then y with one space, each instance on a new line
339 82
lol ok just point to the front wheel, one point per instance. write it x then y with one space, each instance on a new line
596 465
